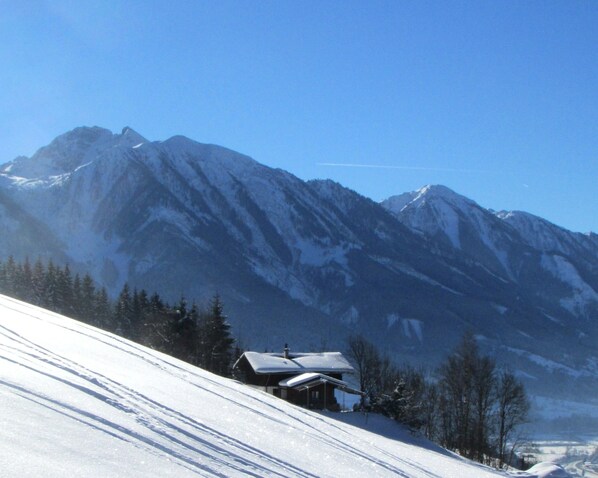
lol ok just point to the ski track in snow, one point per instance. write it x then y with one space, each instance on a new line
97 401
119 396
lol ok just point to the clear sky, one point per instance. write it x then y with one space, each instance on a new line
497 100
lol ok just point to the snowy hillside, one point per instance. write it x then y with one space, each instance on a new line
77 401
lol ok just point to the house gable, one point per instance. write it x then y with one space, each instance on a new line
298 363
306 379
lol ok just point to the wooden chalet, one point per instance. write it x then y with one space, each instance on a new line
305 379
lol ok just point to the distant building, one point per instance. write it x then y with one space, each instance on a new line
305 379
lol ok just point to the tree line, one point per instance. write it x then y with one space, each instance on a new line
467 405
195 334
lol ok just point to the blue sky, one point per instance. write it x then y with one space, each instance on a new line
497 100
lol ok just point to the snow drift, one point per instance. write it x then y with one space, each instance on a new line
77 401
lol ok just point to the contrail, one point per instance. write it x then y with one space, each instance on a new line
409 168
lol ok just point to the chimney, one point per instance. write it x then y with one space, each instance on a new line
286 351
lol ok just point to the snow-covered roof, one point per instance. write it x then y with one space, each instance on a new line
325 362
305 380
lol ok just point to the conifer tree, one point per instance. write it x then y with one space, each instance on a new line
102 316
401 405
26 281
39 285
18 282
123 312
155 303
157 327
185 337
64 291
76 305
3 281
216 341
87 301
10 276
144 303
50 298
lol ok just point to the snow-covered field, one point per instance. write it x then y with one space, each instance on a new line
572 455
77 401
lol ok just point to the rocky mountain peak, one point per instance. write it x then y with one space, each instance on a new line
130 137
427 195
71 150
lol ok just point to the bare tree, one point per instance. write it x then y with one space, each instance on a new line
367 362
512 409
456 385
430 411
484 384
467 384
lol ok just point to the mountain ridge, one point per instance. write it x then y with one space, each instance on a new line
311 262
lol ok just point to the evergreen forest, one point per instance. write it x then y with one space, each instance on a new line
195 334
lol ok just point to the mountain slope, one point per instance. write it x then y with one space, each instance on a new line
71 408
183 217
541 258
308 263
22 233
552 272
569 257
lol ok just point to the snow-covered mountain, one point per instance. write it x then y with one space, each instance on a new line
309 262
517 246
70 408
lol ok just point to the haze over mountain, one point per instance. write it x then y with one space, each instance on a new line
310 262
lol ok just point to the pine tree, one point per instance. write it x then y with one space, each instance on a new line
102 314
185 333
39 286
3 281
19 286
64 291
76 305
156 303
10 276
136 317
216 342
157 328
26 281
144 303
123 312
401 405
50 280
87 300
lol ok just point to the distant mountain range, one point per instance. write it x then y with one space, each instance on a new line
308 263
